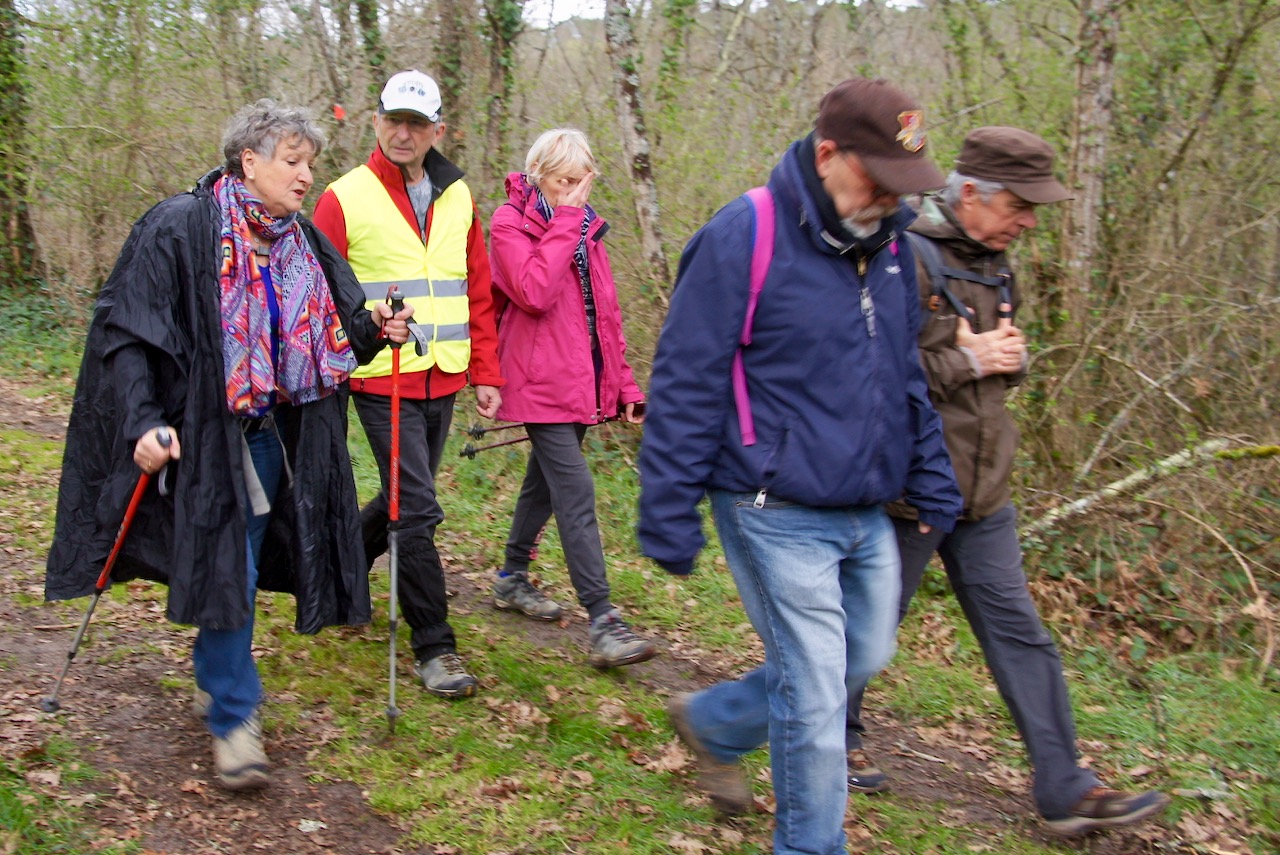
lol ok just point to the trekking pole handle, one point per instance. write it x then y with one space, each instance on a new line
395 299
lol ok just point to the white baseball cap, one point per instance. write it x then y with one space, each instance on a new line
412 92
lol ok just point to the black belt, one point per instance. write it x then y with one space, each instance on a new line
267 422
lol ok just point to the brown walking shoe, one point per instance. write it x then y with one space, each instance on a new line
723 783
1103 807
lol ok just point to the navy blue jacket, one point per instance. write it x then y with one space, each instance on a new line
840 403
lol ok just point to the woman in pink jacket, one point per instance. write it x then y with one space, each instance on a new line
562 351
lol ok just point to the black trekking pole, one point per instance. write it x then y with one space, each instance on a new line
478 431
396 299
51 704
470 450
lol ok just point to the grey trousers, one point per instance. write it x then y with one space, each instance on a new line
984 564
558 481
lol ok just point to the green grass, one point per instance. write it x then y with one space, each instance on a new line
32 823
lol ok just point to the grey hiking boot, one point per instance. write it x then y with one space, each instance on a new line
446 676
614 644
238 757
200 703
864 775
1103 807
517 592
723 783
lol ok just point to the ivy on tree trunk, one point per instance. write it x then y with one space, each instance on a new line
20 263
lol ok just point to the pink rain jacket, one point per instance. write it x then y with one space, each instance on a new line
543 345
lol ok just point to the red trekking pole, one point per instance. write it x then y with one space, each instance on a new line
51 704
396 300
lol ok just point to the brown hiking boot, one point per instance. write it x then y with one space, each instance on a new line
1103 807
723 782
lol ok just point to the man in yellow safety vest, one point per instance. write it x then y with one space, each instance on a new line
407 218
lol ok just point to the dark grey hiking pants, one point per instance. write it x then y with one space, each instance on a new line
558 481
984 564
420 585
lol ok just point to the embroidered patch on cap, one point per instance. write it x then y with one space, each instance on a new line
912 134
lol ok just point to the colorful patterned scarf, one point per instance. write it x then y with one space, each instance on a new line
315 354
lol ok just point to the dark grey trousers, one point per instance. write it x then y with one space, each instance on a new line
420 585
984 564
558 481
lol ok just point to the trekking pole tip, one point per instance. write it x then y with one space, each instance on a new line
50 705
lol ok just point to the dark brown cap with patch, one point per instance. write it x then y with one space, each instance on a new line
885 129
1018 159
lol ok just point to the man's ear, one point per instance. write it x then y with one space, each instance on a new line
969 194
823 153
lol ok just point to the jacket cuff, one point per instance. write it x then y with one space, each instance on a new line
943 522
677 568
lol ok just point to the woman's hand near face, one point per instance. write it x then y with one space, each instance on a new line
571 190
578 194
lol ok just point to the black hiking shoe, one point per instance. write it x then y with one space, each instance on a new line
864 775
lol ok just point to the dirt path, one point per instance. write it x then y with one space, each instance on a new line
157 785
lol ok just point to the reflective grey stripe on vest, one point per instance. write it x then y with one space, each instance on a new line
416 288
423 334
453 332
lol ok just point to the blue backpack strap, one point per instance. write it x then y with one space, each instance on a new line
928 254
761 255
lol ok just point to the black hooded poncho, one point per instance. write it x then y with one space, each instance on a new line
163 297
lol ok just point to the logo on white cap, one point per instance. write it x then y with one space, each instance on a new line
412 92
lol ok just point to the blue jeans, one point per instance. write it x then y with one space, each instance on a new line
820 586
223 659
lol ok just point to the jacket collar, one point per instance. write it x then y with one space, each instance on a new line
938 222
440 170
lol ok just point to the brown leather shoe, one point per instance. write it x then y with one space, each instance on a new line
1103 807
723 783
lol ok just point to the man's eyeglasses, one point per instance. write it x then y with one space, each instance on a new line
856 165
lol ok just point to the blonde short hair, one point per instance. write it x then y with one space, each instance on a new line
558 149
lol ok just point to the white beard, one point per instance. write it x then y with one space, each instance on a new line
865 222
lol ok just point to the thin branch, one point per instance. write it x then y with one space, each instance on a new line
1182 460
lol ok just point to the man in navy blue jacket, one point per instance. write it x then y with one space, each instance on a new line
844 424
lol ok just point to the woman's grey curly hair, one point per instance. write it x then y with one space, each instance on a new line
262 126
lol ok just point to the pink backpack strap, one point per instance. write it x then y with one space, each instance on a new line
761 255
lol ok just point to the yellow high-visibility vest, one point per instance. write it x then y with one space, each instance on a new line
383 249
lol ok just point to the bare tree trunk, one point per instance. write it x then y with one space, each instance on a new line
20 262
1095 87
621 44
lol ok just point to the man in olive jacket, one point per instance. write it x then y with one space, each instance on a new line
972 354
